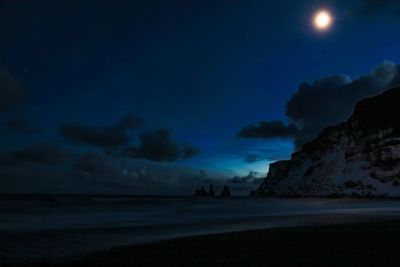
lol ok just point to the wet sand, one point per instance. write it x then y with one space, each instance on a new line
362 244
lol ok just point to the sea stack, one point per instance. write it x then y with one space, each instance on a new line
226 192
211 191
200 192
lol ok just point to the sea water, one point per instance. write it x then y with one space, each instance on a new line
36 227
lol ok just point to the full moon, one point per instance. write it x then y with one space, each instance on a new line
322 20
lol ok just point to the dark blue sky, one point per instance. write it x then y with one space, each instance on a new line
202 69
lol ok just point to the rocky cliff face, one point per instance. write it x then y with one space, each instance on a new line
358 158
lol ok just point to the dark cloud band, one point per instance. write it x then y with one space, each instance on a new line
112 136
160 146
323 103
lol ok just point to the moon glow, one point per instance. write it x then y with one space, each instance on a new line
323 20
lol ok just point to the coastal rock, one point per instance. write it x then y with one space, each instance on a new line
357 158
211 191
200 192
226 192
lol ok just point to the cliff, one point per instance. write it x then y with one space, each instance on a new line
357 158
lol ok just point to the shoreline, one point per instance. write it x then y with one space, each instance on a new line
49 196
354 244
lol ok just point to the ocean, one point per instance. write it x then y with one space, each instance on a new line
38 227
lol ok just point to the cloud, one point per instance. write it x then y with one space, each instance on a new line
153 145
372 6
144 177
203 174
112 136
160 146
131 121
20 125
253 158
51 168
267 129
377 7
245 184
46 154
188 151
11 91
325 102
95 136
245 179
385 72
97 165
266 154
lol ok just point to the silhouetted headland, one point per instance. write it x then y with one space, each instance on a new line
357 158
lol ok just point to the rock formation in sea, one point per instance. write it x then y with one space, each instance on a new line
357 158
200 192
211 191
226 192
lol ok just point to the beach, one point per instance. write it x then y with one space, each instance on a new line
64 230
362 244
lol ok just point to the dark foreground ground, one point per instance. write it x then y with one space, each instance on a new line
369 244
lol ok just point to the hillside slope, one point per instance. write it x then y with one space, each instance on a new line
358 158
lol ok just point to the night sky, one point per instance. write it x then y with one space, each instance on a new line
158 97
